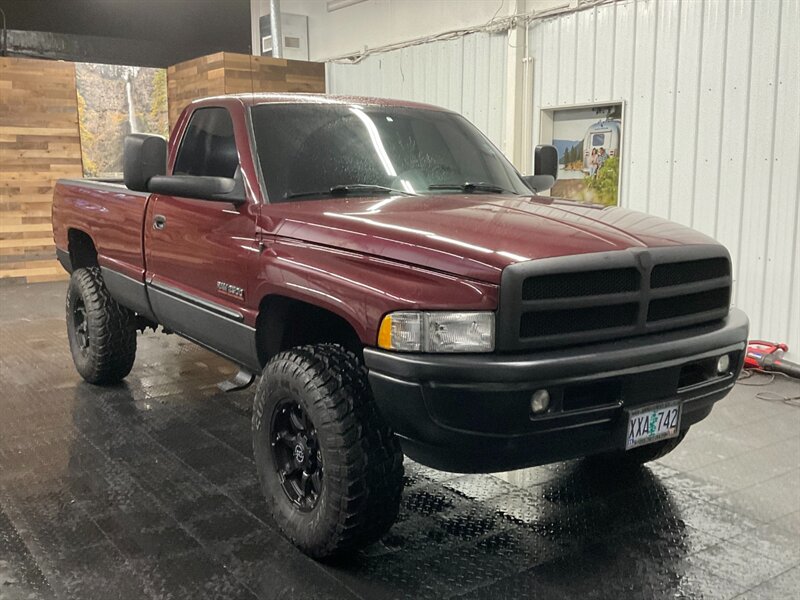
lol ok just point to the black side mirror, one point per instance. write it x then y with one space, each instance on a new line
545 168
202 187
144 157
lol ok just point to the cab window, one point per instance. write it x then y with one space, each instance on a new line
208 146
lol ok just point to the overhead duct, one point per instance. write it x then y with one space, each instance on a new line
275 27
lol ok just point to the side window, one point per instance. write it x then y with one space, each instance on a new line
208 146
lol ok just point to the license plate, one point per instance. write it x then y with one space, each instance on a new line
652 424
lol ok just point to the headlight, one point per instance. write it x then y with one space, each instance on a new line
437 332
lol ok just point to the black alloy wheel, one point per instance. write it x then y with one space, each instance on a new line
298 458
81 325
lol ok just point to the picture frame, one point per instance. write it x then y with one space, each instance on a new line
113 101
590 142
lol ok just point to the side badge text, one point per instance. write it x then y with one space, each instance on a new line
231 290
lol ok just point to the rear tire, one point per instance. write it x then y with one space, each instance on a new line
330 468
102 334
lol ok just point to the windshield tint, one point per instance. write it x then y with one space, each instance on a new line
307 148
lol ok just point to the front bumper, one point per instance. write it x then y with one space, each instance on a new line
471 413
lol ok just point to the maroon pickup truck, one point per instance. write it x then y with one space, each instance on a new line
400 288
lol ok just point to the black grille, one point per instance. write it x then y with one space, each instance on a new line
689 271
583 283
689 304
552 322
611 295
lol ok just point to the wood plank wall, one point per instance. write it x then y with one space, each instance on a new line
196 78
228 73
266 74
39 143
40 138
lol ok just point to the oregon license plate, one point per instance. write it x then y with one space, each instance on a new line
652 424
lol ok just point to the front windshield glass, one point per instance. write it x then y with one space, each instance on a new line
306 149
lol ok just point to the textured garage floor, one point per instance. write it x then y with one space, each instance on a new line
147 490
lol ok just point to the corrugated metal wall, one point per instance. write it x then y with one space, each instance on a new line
712 126
712 118
466 74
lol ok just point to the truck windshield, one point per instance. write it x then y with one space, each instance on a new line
306 150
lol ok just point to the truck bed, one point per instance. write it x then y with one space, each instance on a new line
111 214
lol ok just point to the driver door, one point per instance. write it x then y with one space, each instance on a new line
200 254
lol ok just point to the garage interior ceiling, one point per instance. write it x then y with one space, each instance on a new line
126 32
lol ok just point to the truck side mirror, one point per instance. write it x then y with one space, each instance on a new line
144 157
202 187
545 168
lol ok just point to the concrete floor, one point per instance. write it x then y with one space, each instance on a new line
148 490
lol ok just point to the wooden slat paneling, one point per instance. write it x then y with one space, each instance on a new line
39 143
266 74
40 139
193 79
228 73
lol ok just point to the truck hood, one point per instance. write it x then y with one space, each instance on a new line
470 235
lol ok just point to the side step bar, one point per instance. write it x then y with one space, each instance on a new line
242 380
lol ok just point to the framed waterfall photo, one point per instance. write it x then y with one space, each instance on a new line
113 101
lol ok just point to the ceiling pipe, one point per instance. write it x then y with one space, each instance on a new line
4 39
275 28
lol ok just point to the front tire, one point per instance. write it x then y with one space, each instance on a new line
102 333
330 468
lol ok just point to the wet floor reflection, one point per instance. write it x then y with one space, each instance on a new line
148 490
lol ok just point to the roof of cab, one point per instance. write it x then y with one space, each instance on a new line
296 98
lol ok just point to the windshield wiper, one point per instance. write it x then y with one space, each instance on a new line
350 188
469 187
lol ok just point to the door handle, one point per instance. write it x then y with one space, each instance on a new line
159 222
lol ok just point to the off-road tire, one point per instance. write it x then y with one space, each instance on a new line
362 473
110 330
636 457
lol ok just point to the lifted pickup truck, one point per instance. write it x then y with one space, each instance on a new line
400 288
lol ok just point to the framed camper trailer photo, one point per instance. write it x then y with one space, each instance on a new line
589 143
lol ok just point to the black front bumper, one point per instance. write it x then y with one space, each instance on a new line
471 413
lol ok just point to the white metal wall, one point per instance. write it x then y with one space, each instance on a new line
712 126
712 118
466 74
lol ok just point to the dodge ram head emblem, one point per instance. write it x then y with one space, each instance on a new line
644 259
231 290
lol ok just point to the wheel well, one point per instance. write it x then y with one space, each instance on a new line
82 252
284 323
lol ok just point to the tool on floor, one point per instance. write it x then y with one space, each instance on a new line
768 356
